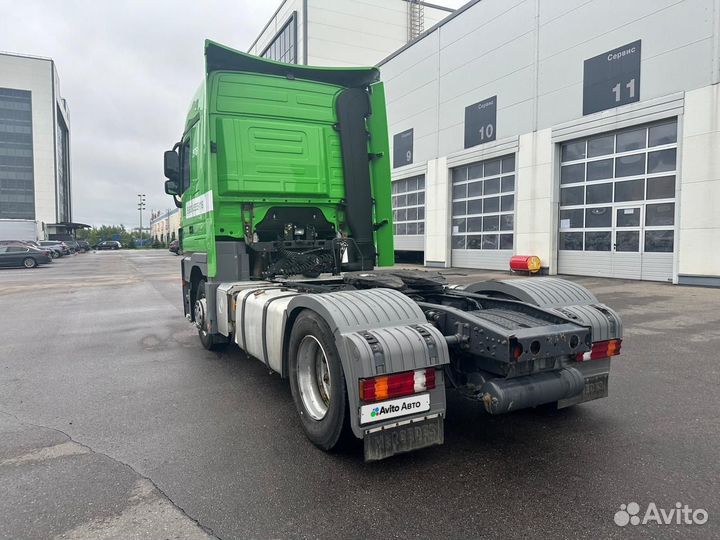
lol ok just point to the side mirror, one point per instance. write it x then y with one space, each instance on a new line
172 187
172 166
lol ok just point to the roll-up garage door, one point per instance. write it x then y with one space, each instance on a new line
617 203
483 214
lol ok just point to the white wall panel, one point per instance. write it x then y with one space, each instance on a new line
437 213
554 10
699 238
489 43
413 101
359 32
534 223
482 15
676 39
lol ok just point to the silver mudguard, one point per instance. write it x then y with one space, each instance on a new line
377 332
565 297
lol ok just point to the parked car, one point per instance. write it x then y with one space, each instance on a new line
28 243
175 247
73 245
20 255
55 251
84 245
62 245
108 244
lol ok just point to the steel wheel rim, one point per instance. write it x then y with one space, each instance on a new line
200 321
313 377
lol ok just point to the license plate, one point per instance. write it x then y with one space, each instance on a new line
385 410
413 436
596 387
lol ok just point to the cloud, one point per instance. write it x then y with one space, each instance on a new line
128 71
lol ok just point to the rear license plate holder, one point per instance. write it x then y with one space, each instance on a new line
596 387
404 438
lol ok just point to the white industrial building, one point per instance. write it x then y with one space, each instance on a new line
343 32
585 132
35 178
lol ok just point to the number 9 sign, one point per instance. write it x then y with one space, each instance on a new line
403 148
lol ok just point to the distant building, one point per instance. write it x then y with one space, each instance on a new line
164 226
343 32
35 176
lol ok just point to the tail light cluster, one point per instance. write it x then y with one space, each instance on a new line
397 385
601 349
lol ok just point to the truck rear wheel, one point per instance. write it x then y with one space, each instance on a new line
317 381
211 342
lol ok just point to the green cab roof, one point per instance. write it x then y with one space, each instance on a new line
221 58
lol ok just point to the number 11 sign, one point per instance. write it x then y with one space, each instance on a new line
612 79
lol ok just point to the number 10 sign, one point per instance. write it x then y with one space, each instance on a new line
480 122
612 79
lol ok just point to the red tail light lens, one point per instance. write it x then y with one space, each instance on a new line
601 349
396 385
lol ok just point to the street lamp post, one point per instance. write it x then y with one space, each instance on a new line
141 207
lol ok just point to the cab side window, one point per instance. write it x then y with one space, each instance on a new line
185 165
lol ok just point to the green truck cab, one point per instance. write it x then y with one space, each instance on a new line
269 157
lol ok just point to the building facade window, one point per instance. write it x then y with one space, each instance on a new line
17 198
283 47
617 191
408 204
483 205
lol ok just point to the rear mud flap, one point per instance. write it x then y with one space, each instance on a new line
404 437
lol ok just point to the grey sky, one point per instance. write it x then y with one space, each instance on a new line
128 70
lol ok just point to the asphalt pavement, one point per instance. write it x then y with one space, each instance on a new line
116 423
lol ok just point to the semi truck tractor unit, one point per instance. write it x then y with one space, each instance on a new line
283 176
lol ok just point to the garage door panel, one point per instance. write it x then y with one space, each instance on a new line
627 265
489 259
657 266
585 263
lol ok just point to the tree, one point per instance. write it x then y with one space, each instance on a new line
108 232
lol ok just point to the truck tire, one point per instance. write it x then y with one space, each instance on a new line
211 342
317 381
